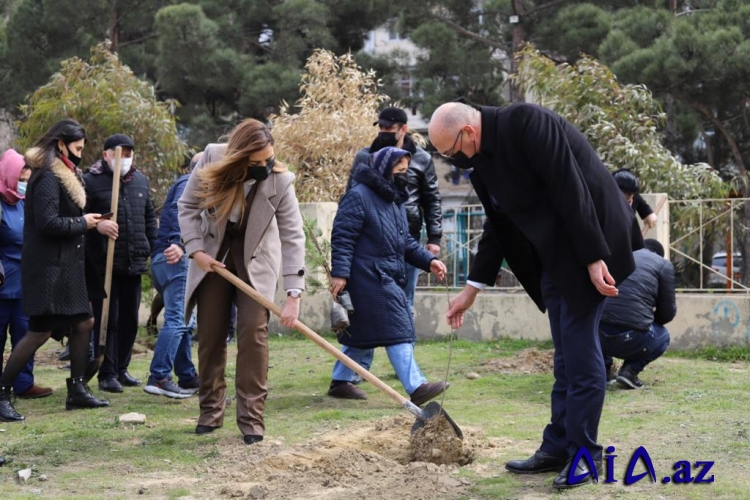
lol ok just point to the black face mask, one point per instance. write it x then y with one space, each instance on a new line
387 139
401 180
75 160
460 160
260 173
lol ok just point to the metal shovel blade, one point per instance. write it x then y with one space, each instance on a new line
432 410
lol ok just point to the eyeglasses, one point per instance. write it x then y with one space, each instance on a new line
449 154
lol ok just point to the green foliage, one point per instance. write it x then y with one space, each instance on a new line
317 257
106 98
726 354
622 122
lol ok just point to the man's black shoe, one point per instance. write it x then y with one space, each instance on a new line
128 380
204 429
582 468
628 379
110 385
252 438
537 463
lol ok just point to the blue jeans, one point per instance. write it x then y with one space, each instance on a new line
12 318
578 392
635 348
401 357
412 276
172 348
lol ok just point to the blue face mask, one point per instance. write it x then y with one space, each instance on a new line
21 189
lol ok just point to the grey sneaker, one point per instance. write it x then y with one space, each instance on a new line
166 388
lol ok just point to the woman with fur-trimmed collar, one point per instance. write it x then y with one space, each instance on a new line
370 245
53 269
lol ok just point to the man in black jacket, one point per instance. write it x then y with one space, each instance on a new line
554 212
632 325
134 234
423 197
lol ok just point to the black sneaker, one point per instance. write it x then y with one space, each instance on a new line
166 388
191 385
629 379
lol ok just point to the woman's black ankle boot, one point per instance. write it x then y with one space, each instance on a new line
7 412
79 396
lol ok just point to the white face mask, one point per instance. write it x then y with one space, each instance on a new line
125 164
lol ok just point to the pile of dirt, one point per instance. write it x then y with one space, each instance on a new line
371 461
526 361
436 442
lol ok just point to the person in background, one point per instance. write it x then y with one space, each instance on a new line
53 269
632 325
134 230
169 266
370 249
422 195
629 185
14 177
239 211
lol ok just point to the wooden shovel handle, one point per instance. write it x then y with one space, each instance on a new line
110 252
307 332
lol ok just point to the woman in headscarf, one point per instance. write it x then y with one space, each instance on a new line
53 273
370 246
14 176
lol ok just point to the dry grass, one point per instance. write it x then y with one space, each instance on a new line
339 103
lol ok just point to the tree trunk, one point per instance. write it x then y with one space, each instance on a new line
673 6
114 29
515 93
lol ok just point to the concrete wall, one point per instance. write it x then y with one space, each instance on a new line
702 319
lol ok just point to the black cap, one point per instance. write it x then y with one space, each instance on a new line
118 140
391 115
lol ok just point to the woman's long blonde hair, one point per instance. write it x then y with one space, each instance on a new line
222 182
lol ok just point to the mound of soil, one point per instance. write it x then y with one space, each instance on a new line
437 443
526 361
373 461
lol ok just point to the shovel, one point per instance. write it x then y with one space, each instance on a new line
93 367
433 409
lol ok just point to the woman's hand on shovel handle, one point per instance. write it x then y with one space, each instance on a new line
205 261
290 312
337 285
459 304
438 269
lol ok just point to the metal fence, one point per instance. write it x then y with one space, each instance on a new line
708 231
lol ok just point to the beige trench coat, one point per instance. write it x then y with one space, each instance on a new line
274 233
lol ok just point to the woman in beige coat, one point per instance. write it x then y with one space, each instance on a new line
239 211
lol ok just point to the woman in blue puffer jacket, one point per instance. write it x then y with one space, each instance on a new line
370 246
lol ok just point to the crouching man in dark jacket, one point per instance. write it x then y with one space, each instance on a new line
632 325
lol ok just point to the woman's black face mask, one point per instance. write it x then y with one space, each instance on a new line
260 173
401 180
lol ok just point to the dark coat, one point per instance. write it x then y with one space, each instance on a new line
53 273
369 242
647 296
423 198
551 205
136 219
169 224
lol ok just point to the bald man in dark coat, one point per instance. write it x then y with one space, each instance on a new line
556 215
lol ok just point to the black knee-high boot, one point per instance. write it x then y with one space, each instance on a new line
79 396
7 412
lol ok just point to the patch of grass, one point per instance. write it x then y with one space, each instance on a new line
691 409
727 354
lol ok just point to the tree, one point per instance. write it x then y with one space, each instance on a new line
623 124
106 98
334 119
